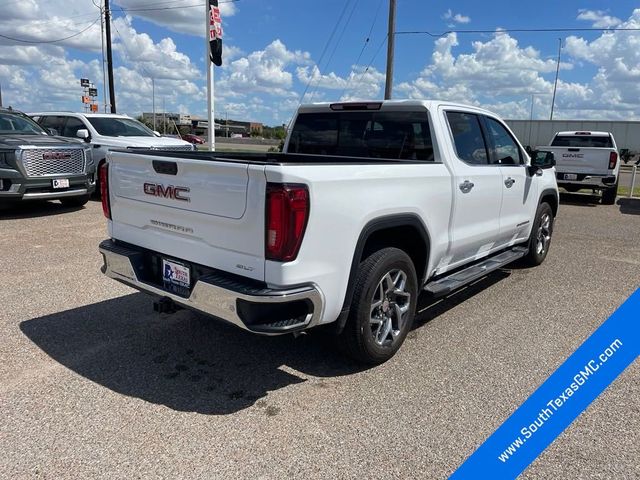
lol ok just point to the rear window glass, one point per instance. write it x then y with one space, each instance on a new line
582 141
402 135
468 138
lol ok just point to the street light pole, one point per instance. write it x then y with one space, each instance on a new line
555 85
153 101
391 36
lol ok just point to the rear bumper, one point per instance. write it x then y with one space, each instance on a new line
586 180
257 309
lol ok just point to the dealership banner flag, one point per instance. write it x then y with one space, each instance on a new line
215 33
560 399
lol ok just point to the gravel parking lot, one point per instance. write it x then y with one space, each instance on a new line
94 384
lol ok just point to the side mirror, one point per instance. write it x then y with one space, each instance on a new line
542 159
157 133
84 134
53 131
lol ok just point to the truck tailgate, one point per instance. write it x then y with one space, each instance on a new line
191 209
589 160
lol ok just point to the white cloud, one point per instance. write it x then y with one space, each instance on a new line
457 17
159 60
262 71
182 16
599 18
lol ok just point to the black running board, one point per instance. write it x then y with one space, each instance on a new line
460 278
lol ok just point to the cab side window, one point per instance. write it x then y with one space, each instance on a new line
72 126
51 121
503 149
468 138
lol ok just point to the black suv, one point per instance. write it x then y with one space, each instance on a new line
37 165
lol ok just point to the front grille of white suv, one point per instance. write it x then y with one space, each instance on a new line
41 162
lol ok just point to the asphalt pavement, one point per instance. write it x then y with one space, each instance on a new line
94 384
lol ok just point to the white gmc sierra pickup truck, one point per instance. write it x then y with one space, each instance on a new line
370 204
587 160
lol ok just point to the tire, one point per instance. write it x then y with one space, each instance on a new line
373 334
75 201
609 195
540 238
572 188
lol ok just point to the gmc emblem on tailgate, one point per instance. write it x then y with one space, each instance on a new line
174 193
573 155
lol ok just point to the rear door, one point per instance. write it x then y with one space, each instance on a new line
204 211
477 190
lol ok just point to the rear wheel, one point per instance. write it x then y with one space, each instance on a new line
383 306
75 201
609 195
540 238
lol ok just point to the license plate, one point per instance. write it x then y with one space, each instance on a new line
570 176
61 183
175 274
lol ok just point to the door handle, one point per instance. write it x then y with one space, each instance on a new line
466 186
509 182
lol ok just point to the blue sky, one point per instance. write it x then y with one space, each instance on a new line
274 51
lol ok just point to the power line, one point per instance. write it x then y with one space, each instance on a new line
21 40
364 46
324 50
150 9
375 55
519 30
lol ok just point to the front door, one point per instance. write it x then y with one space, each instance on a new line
520 190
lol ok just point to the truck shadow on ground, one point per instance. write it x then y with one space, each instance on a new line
34 209
190 362
629 206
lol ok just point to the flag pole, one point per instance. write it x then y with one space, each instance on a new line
211 131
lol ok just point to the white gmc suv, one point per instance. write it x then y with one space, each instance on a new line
371 204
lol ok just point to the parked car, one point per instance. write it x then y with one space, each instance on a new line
105 131
194 139
35 165
587 160
371 204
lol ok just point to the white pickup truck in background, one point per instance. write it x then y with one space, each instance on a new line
587 160
369 205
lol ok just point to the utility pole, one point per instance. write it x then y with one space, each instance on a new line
104 73
107 27
0 94
555 85
391 40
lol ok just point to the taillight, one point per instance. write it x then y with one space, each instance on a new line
104 190
287 211
613 159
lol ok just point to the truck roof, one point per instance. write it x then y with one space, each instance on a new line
577 133
88 115
391 105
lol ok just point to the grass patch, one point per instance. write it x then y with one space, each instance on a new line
623 191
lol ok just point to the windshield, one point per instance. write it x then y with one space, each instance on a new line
582 141
120 127
402 135
15 124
